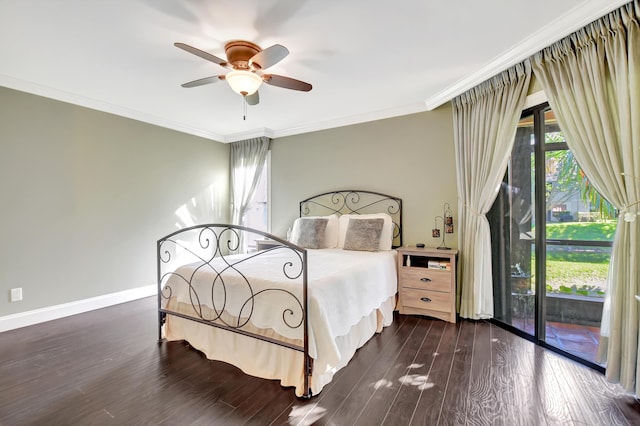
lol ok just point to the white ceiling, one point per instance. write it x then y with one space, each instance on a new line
366 59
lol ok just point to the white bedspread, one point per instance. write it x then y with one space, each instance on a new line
344 287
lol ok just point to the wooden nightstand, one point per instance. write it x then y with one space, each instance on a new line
425 285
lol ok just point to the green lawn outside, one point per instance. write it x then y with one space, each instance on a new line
581 270
588 231
589 277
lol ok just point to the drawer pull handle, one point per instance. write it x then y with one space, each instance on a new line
426 280
425 299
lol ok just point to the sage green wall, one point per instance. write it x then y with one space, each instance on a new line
410 156
85 195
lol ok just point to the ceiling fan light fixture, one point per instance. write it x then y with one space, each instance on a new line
242 82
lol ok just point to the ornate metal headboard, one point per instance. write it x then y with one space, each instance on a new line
356 202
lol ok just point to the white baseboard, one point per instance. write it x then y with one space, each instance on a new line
23 319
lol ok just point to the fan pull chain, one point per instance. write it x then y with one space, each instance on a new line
244 101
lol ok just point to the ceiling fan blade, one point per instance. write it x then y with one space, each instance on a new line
253 99
203 81
286 82
268 57
202 54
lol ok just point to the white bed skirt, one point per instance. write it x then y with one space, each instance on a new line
269 361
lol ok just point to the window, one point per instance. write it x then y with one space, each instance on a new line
257 215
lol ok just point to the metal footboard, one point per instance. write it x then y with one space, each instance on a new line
209 266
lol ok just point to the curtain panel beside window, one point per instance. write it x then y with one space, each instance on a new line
247 159
485 120
592 80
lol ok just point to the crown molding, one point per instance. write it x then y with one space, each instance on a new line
98 105
330 124
340 122
354 119
83 101
249 134
566 24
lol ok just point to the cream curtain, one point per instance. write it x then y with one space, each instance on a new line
485 121
592 80
247 159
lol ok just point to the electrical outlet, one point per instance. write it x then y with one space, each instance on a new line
16 294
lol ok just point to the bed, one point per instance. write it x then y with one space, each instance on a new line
296 311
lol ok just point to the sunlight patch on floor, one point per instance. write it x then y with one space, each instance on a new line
382 383
420 381
304 415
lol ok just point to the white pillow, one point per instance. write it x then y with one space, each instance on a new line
386 238
330 232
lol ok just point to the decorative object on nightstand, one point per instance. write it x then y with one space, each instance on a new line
266 244
427 282
447 226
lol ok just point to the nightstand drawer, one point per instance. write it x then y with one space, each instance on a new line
427 300
427 279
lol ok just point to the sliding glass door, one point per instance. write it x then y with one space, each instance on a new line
551 242
512 220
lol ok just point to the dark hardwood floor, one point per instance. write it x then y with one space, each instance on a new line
105 367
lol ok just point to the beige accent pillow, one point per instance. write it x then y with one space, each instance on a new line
330 232
309 232
363 234
386 238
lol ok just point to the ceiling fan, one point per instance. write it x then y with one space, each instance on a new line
247 61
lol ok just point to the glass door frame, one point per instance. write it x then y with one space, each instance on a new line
540 240
540 309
